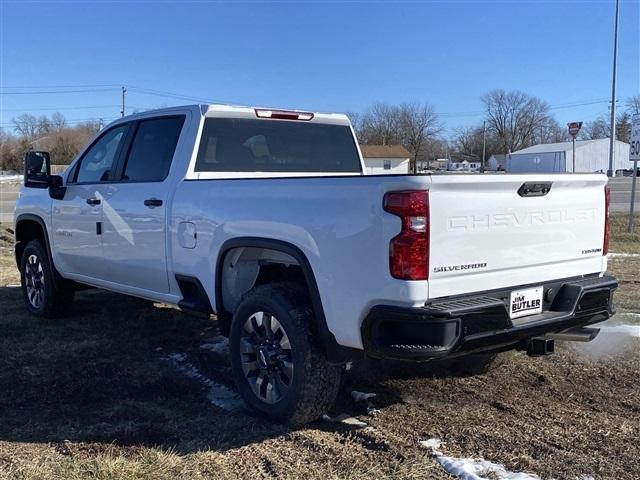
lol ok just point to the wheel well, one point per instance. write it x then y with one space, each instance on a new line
244 268
27 230
245 262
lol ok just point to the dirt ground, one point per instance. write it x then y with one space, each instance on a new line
103 394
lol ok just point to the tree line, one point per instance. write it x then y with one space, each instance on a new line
52 134
513 120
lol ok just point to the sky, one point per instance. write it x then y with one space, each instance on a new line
331 56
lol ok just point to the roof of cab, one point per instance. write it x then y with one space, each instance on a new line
236 111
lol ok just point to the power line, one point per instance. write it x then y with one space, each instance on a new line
57 108
51 92
162 93
61 86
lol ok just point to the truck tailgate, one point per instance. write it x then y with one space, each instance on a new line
495 231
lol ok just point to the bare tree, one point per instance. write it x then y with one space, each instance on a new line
418 124
27 125
633 104
595 129
515 117
52 134
380 125
468 141
58 121
601 127
623 127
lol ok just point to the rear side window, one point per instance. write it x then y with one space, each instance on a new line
152 149
246 145
97 163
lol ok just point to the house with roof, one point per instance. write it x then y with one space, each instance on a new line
385 159
591 156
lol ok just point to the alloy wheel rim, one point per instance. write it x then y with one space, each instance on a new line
34 281
265 353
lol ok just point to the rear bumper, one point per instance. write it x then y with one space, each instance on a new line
480 322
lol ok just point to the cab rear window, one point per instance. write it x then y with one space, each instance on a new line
247 145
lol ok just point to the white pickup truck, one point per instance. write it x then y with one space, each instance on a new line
266 219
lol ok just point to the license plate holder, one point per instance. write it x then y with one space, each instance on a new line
523 303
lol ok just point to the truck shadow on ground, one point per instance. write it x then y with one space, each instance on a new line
104 375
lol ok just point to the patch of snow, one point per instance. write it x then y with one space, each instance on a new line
218 345
472 468
13 285
10 178
344 419
219 395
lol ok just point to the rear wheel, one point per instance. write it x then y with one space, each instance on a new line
45 293
277 363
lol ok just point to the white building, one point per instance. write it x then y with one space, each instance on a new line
381 159
463 166
591 156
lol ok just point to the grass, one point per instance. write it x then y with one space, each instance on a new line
622 240
626 268
92 396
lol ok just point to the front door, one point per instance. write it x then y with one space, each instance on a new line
134 210
76 218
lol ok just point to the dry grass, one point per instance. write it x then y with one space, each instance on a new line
91 396
621 239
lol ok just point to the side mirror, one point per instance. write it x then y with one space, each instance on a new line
56 187
37 169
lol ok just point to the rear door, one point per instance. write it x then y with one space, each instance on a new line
135 206
76 218
495 231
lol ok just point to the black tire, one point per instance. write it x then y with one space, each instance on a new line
313 382
45 293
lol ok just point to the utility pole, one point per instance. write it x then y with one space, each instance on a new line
613 94
124 91
484 144
574 154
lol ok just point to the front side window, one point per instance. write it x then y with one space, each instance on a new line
97 163
152 149
248 145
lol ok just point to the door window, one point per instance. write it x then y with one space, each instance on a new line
97 163
152 149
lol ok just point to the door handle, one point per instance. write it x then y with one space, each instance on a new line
93 201
153 202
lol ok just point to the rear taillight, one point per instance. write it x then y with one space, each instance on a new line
409 250
607 201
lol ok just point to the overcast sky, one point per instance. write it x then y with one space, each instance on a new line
326 56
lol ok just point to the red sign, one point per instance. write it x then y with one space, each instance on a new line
574 128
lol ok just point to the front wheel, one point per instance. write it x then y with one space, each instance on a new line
45 293
277 363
